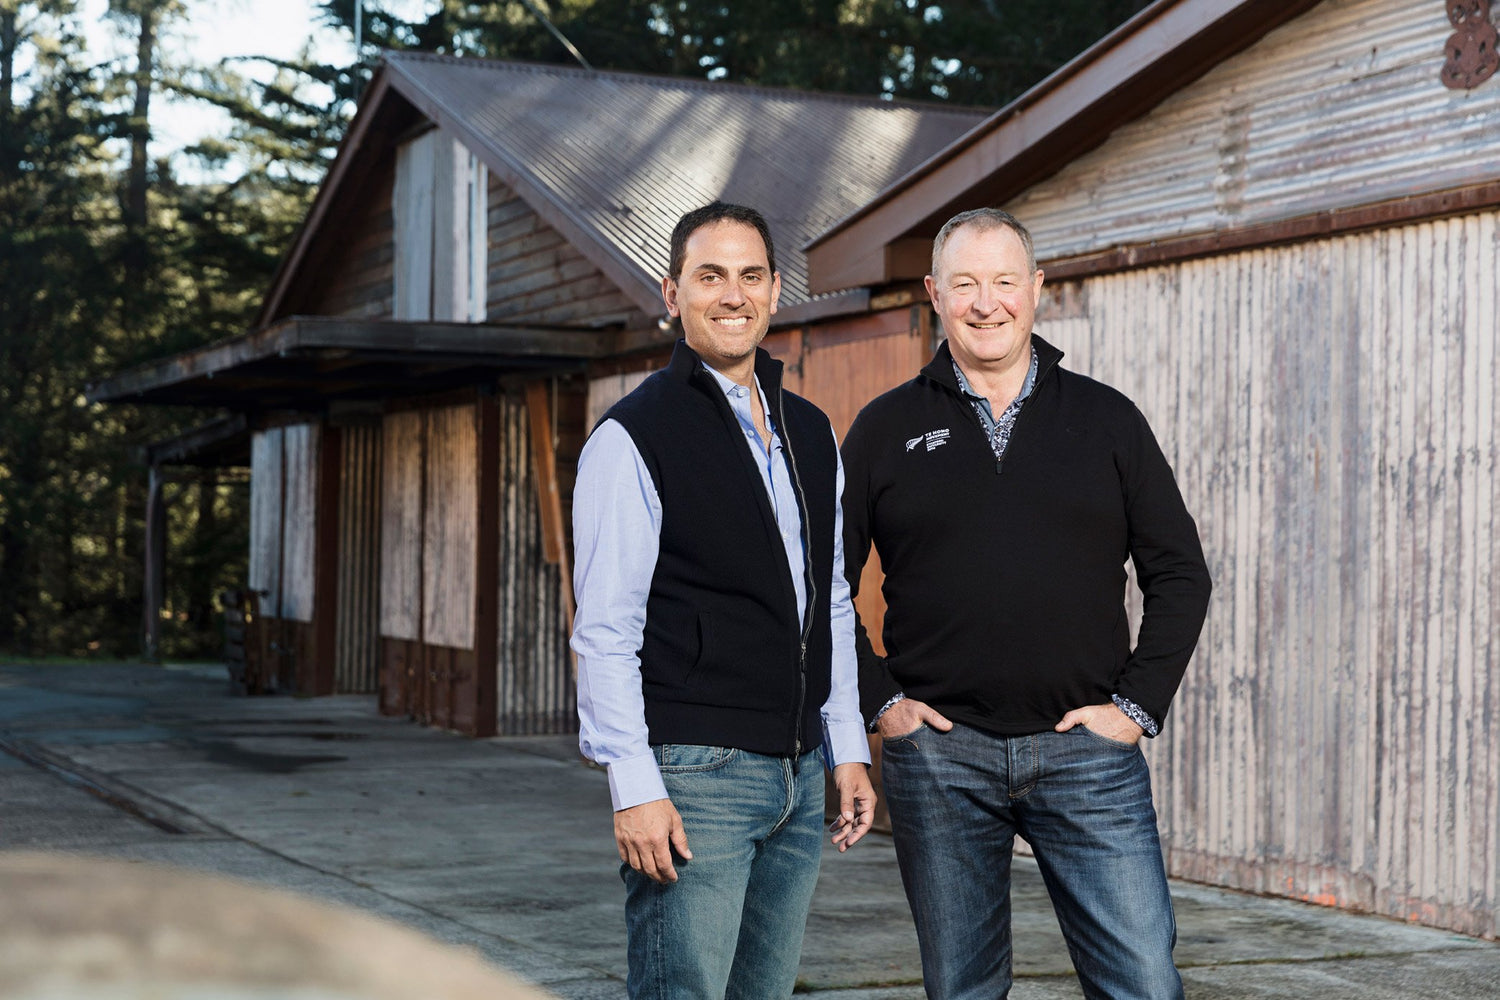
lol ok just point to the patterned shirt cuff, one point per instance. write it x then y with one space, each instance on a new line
898 696
1137 714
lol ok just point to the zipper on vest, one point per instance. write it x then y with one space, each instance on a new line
812 586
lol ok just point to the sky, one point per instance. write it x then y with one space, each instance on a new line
217 29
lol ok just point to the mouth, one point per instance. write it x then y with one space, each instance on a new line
732 322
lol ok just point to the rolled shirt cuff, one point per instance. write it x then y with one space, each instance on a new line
1137 714
898 696
635 780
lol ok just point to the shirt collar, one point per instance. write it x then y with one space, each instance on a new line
1026 387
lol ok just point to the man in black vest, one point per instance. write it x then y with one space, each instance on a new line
715 634
1004 494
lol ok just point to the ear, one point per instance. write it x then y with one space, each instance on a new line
775 290
1036 289
669 296
930 283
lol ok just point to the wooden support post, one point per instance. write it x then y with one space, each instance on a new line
487 568
322 672
156 563
549 498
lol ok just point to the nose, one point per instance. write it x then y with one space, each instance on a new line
733 294
987 301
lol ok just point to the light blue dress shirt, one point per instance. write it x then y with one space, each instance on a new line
616 537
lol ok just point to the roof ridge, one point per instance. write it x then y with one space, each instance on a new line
686 82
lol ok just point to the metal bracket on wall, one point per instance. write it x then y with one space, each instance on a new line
1471 51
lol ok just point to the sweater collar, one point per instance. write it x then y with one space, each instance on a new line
940 368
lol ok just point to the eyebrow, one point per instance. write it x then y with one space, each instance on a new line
721 269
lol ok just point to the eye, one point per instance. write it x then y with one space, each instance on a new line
963 284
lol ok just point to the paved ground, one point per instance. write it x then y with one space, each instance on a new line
504 846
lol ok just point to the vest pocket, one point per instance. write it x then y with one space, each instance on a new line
705 642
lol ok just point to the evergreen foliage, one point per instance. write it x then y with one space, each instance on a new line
108 259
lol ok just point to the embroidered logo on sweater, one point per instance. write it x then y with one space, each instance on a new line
932 439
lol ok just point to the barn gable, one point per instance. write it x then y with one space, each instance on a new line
1341 108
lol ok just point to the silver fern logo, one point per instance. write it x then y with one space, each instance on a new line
932 439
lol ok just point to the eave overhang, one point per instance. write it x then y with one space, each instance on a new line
1120 78
307 363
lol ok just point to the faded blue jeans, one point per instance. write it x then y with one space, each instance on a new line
1083 803
732 924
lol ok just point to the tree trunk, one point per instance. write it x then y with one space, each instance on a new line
140 138
8 40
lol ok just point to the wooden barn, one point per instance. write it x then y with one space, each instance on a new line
477 279
1277 227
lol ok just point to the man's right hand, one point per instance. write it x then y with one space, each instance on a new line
646 836
905 716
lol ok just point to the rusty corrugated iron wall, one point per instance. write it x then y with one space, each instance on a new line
535 689
1330 410
357 647
1343 106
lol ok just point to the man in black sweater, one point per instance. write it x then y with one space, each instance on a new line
1004 494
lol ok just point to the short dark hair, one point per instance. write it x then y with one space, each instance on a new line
719 211
983 219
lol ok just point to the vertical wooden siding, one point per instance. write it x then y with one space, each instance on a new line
357 649
403 438
265 519
299 444
448 529
1329 409
535 674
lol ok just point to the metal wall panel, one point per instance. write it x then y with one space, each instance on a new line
450 509
265 519
535 690
401 496
357 648
299 444
1329 410
1340 107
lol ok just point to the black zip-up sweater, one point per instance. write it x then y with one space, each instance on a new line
724 659
1005 580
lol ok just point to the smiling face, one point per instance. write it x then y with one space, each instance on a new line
986 294
725 295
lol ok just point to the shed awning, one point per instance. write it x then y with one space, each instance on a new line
304 363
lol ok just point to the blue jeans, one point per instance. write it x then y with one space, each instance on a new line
732 924
1083 803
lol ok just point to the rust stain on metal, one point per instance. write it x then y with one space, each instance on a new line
1471 49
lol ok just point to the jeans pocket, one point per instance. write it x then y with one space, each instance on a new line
906 737
1100 738
685 758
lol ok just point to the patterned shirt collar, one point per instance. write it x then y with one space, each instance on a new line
998 428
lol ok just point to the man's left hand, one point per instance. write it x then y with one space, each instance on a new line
856 805
1105 720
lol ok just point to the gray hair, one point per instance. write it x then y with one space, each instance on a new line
984 219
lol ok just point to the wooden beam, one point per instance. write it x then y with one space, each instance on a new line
544 468
321 675
1331 222
486 686
480 344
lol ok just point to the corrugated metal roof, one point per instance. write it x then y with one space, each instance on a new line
613 159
